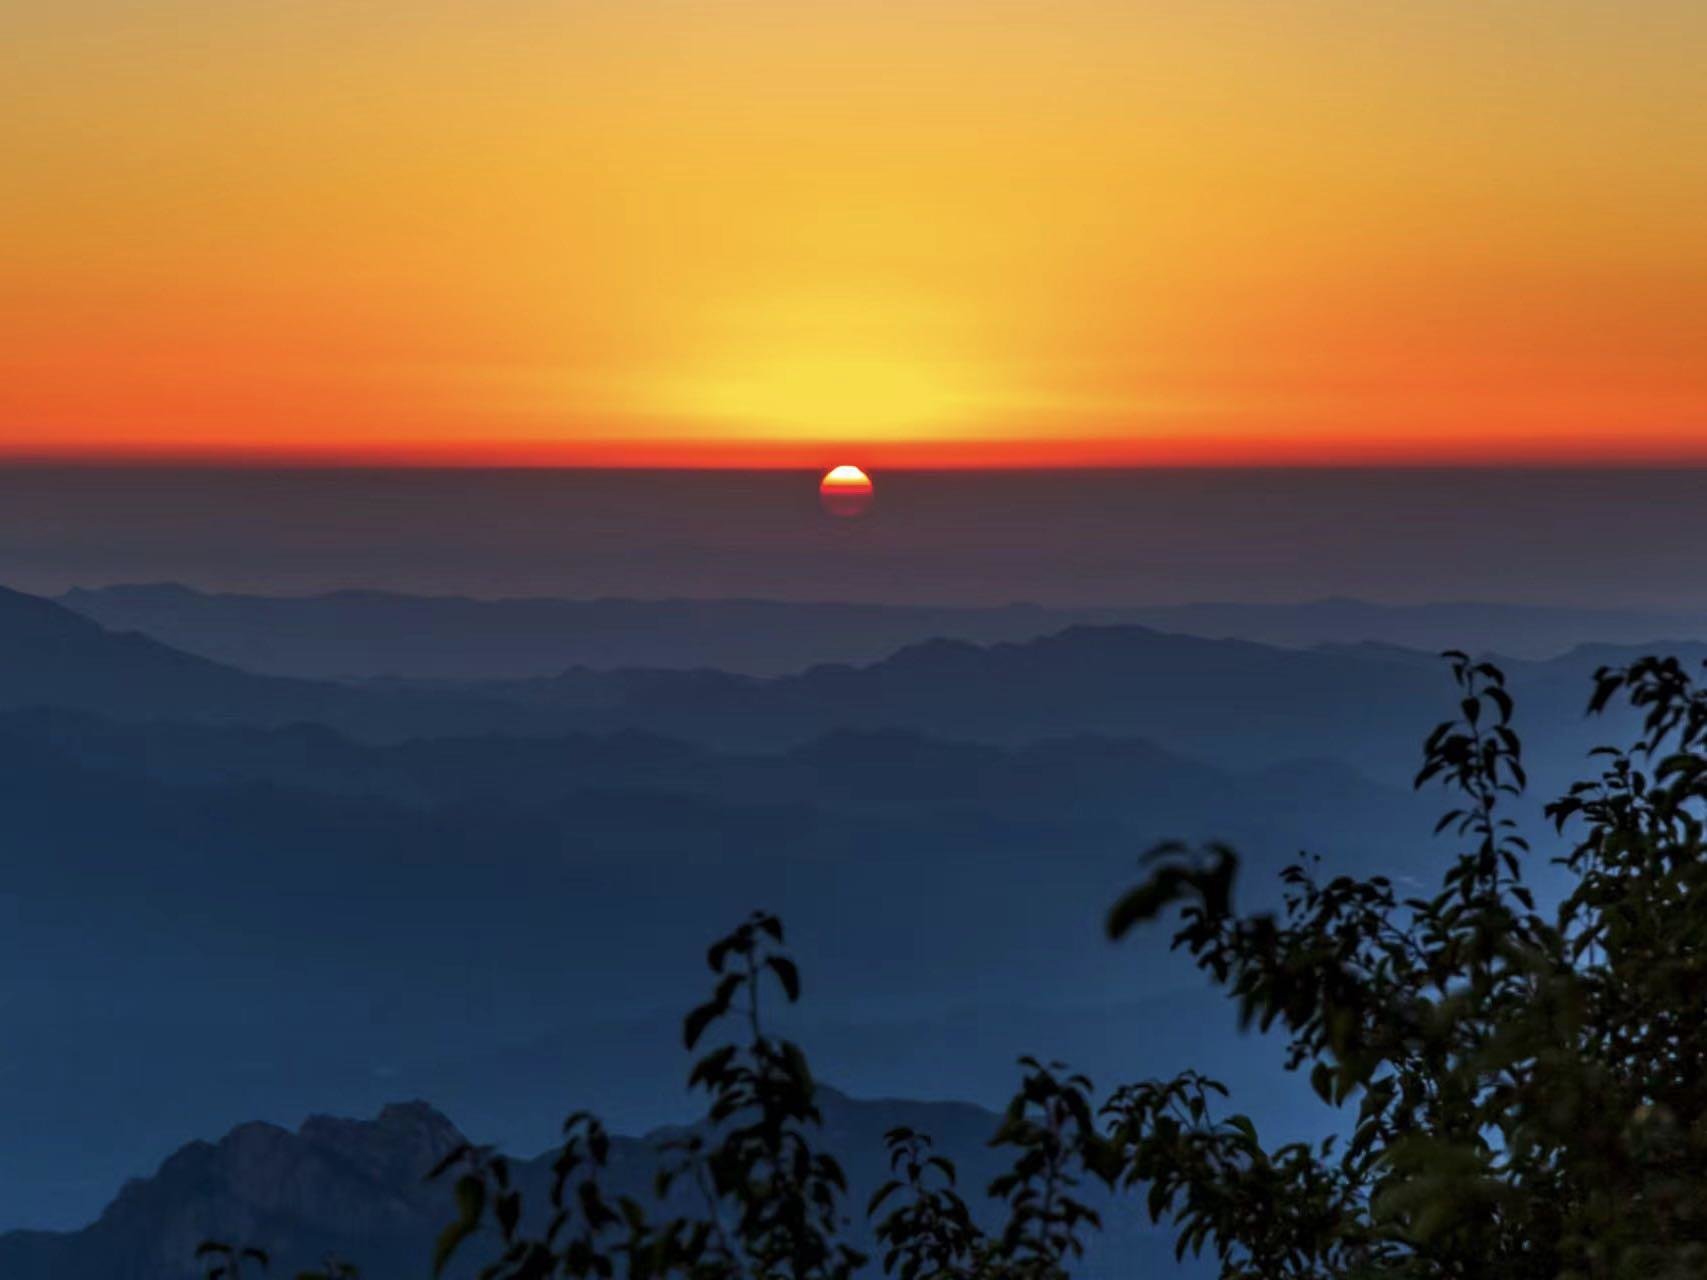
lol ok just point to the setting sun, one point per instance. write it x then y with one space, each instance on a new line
846 491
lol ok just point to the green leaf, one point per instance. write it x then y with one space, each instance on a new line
787 974
694 1025
449 1240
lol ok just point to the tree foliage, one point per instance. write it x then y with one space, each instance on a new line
1525 1086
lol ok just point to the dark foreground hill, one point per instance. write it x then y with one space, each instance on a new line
357 1189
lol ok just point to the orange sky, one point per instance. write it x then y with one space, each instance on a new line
796 232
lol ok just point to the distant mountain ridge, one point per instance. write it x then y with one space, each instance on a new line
1232 702
357 1189
871 773
52 656
1235 703
352 634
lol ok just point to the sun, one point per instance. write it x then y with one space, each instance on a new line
846 491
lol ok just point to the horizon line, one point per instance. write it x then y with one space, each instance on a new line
1531 451
238 461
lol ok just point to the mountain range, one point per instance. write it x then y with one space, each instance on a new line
1231 702
228 893
247 916
348 634
52 656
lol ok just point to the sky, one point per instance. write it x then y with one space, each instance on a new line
794 233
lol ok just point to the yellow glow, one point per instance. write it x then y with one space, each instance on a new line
833 394
864 364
